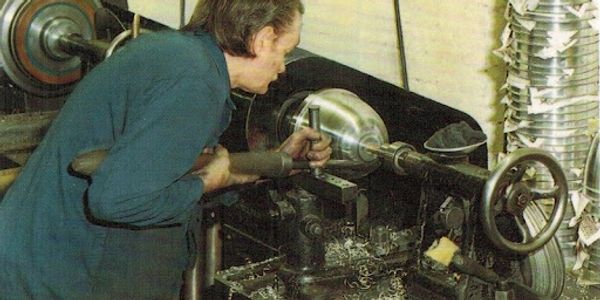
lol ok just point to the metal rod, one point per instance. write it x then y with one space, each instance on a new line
241 233
314 122
182 19
193 287
400 36
330 164
135 26
214 247
75 44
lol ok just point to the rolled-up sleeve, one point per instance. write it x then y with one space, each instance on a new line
143 181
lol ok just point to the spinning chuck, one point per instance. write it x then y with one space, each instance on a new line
40 41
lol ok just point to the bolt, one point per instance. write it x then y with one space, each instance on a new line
522 200
314 229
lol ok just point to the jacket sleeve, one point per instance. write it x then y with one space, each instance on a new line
143 181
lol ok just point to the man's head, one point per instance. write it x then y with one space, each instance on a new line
256 34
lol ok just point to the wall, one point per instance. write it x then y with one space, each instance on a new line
448 49
172 13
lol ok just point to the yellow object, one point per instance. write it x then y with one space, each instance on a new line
442 251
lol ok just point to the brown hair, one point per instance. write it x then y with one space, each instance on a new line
234 22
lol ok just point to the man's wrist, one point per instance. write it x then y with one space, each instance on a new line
208 184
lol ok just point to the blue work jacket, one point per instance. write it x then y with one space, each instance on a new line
156 104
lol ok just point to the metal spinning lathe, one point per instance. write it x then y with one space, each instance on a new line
359 135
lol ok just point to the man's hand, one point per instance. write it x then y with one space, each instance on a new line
298 146
216 175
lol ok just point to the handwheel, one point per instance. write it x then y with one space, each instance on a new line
504 192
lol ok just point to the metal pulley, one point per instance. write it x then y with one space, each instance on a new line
41 40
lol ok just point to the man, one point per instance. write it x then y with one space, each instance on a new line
157 104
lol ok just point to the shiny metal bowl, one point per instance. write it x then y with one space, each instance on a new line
533 75
521 103
555 140
546 18
568 120
560 61
558 12
549 144
541 26
559 93
552 133
591 178
351 123
583 67
557 9
562 2
575 50
527 38
564 125
547 34
543 81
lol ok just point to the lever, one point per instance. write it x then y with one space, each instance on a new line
314 121
270 164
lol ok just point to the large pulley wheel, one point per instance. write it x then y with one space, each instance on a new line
506 193
30 37
544 270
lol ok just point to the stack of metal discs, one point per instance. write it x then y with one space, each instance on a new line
591 191
553 90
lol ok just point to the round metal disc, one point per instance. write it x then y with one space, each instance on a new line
546 265
29 50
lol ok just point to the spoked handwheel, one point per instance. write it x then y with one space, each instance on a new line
505 192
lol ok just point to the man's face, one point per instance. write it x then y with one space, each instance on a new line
269 60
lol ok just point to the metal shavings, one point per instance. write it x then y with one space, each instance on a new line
272 291
522 7
268 292
390 289
234 288
363 280
371 276
338 253
589 230
396 289
260 269
367 270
